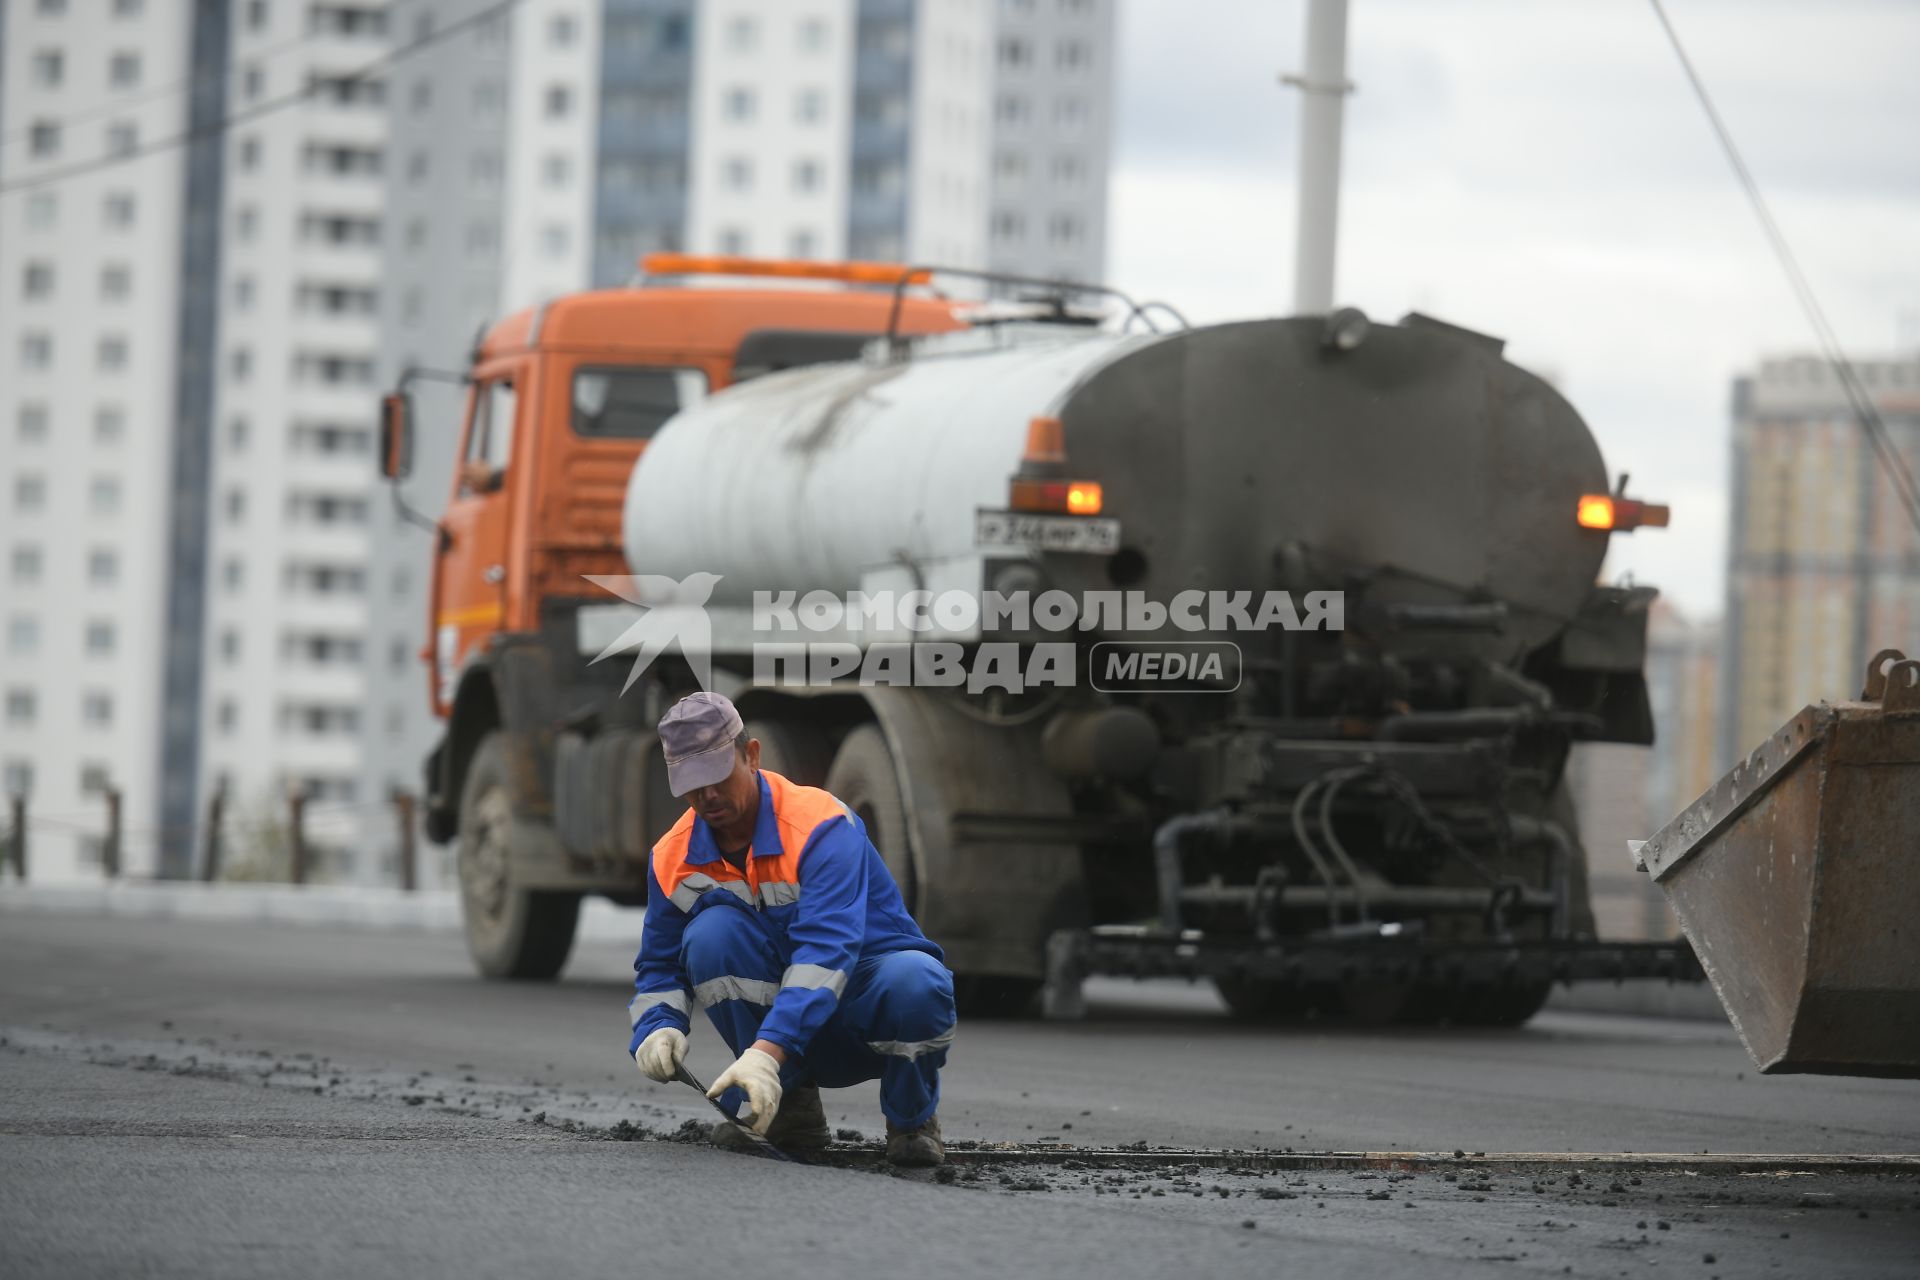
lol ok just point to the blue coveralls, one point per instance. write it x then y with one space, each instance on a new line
809 947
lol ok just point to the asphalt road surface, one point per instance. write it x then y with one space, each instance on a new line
221 1099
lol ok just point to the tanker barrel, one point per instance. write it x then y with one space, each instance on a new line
1112 742
1793 877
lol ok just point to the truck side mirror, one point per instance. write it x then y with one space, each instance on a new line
396 435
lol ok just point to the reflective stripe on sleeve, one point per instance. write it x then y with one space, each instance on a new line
911 1049
817 977
637 1009
693 886
779 893
728 987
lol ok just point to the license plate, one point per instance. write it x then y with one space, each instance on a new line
1094 535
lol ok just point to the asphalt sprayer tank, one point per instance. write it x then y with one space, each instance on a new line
1420 450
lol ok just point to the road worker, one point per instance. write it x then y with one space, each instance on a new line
768 907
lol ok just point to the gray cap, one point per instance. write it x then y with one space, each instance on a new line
697 734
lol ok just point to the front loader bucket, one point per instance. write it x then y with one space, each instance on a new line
1797 879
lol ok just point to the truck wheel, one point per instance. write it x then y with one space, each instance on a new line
864 779
1502 1006
511 932
794 751
1263 1000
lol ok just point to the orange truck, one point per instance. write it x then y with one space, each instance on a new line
561 401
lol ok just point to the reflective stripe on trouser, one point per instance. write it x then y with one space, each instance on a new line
893 1023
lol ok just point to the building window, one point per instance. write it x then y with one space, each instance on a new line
243 293
123 72
94 777
1008 224
109 425
23 635
737 174
739 105
229 715
128 8
30 423
233 574
1010 166
1072 55
734 241
483 168
556 240
43 140
1070 113
103 566
117 210
562 30
19 777
36 280
122 139
801 244
813 35
103 496
559 101
1069 171
112 353
420 96
236 506
27 564
230 646
256 14
487 97
246 221
1010 109
36 350
1063 229
100 638
417 167
237 435
556 169
1015 53
42 208
29 492
248 155
806 176
240 362
96 709
22 706
809 106
116 282
742 34
49 65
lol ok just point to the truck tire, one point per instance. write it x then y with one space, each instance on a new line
511 932
864 779
794 751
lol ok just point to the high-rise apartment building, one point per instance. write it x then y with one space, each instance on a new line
203 586
1823 563
104 336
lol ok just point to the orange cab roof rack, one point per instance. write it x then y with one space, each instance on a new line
693 264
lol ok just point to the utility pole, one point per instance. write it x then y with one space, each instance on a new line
1324 87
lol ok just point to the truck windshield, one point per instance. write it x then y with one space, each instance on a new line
631 403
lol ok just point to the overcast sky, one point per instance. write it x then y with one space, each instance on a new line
1541 171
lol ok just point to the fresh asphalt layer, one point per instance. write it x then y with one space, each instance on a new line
217 1099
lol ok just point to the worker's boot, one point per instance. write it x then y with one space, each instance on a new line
799 1125
916 1148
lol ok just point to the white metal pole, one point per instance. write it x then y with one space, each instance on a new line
1323 89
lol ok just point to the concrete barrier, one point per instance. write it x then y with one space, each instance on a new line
377 910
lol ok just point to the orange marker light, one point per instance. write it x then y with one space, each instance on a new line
1620 515
1083 498
1595 511
693 264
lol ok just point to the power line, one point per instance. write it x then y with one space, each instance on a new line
1862 404
114 105
270 106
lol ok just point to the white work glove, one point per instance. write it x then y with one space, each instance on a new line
661 1053
756 1072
